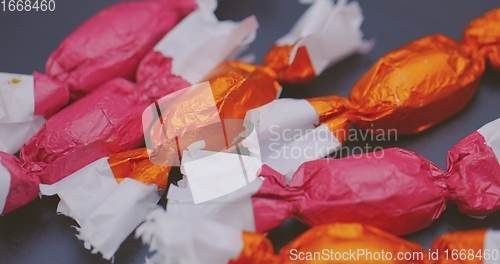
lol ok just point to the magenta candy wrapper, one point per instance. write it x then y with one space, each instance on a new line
396 190
107 121
111 45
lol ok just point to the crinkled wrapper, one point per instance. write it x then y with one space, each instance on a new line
483 34
395 190
111 44
105 122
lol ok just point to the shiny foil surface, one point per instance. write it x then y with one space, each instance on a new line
417 86
344 238
333 112
257 248
235 88
483 34
296 71
135 164
331 244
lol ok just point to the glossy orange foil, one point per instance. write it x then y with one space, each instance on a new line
257 249
135 164
483 34
457 242
300 70
235 88
346 238
416 86
333 112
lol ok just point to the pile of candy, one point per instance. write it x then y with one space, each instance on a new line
117 84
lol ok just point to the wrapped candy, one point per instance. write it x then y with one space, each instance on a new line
484 35
111 45
206 241
395 190
108 45
114 210
94 191
407 91
325 34
466 247
27 101
231 89
210 242
414 87
105 122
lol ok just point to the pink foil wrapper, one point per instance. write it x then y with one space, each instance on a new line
111 44
107 121
396 190
50 95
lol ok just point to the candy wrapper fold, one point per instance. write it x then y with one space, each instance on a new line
420 84
481 244
233 209
324 35
89 57
110 44
133 169
199 239
25 102
208 38
109 198
237 87
196 242
483 34
129 202
286 127
395 190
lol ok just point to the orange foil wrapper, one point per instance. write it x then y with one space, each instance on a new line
235 88
207 241
314 43
483 34
421 84
462 242
416 86
350 243
135 164
299 70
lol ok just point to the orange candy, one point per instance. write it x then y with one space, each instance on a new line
300 70
416 86
335 243
135 164
235 88
483 34
461 241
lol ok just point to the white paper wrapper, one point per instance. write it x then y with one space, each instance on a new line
189 240
214 174
116 218
288 136
18 122
234 209
106 211
200 41
4 186
83 191
330 32
491 134
492 243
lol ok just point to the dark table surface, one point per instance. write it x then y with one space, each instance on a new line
35 234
